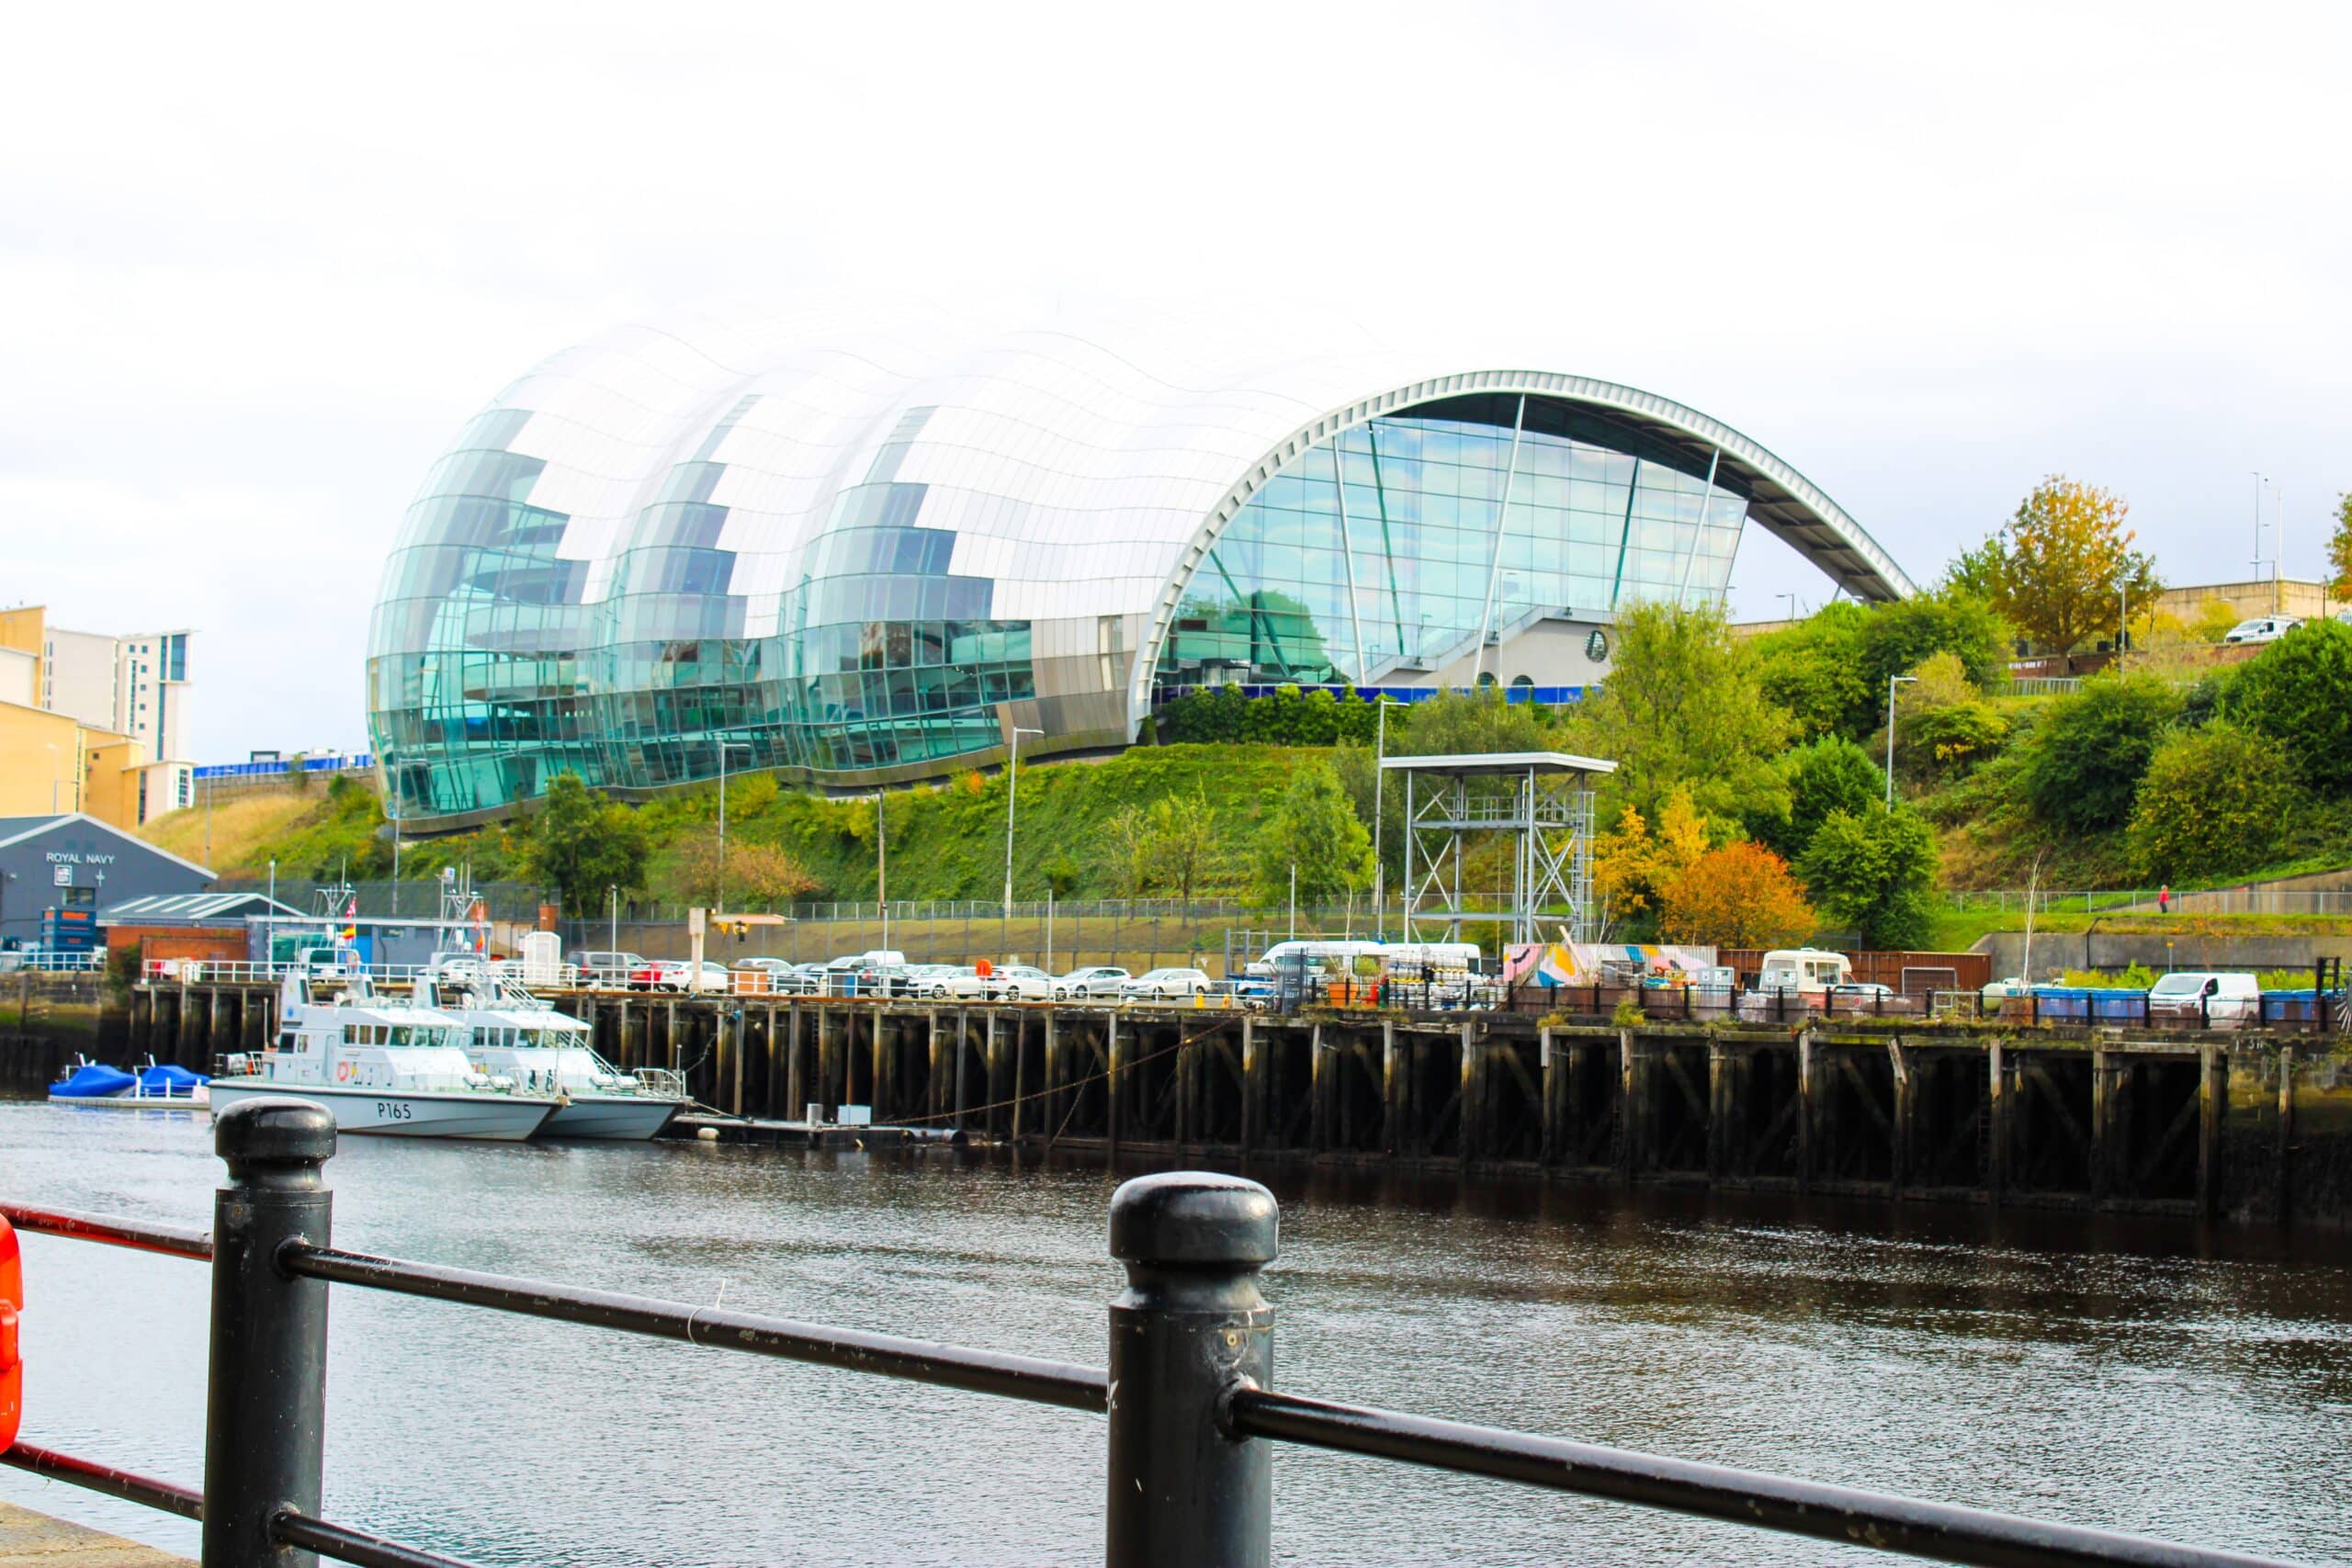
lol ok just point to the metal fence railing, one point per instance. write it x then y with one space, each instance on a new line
2315 1010
53 960
1192 1419
2241 901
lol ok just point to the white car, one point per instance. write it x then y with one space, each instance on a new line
1166 985
1085 984
941 981
2261 628
1019 983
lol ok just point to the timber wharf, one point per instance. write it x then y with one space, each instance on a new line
2243 1125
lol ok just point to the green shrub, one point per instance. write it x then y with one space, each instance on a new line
2299 692
2214 802
2085 759
1871 871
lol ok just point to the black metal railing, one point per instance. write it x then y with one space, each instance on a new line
1192 1424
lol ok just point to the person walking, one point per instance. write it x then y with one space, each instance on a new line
2164 899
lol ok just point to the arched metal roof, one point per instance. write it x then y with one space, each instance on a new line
1790 506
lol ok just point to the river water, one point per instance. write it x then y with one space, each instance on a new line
2140 1375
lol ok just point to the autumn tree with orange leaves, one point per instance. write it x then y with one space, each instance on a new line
1738 896
2062 568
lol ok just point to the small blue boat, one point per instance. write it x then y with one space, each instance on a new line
92 1080
155 1086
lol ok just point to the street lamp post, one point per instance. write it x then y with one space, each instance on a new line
1892 681
1379 797
718 896
613 918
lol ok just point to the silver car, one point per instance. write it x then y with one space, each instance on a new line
1100 981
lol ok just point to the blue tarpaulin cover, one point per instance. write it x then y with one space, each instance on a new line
161 1078
92 1080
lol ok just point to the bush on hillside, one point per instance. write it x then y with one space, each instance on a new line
2215 802
1814 670
2083 761
1831 774
1871 871
2299 692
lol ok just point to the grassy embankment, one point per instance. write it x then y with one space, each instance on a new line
945 840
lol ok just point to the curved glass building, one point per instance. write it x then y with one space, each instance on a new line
856 554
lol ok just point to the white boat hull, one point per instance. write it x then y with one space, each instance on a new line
196 1101
614 1116
404 1113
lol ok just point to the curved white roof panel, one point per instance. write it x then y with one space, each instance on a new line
865 549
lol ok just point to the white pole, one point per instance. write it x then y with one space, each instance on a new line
718 893
882 865
1294 900
613 931
1011 792
273 886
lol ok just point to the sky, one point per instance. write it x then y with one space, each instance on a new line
258 265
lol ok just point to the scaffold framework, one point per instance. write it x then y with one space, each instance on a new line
1541 800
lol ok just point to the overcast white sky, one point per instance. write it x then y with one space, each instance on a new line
257 266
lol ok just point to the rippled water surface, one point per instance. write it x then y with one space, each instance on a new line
2132 1374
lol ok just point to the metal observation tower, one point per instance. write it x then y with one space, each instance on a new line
1542 801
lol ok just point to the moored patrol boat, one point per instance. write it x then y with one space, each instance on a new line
510 1034
380 1066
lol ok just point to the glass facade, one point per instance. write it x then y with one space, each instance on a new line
1408 542
859 555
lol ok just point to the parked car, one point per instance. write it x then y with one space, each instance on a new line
2261 628
607 967
1100 980
678 974
941 982
2194 998
1166 985
1016 983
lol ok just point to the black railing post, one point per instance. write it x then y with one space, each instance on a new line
1189 1327
264 1424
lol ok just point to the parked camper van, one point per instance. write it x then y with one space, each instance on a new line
1803 969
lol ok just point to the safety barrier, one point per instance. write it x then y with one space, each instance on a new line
2316 1011
53 960
1191 1421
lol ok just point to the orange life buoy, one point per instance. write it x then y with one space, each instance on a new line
12 1367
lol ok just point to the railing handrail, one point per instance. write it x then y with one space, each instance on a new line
1190 1340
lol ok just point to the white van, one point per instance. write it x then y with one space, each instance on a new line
1803 969
2261 628
1406 959
1315 955
2195 998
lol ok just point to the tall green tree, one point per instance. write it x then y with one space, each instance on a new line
1872 871
1900 636
1682 706
1815 670
2061 568
2299 692
1830 775
1314 828
581 844
2083 761
1179 842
